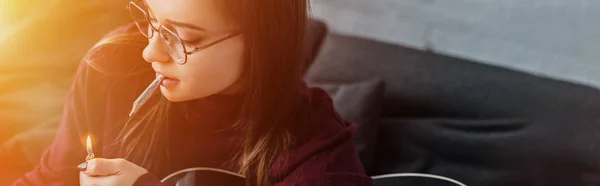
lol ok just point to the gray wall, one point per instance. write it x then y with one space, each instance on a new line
556 38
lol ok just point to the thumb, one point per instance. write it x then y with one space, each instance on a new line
103 167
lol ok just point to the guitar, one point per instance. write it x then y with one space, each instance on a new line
206 176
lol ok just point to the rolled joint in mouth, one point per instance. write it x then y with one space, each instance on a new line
165 76
143 98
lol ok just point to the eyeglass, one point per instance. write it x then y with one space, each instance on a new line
177 49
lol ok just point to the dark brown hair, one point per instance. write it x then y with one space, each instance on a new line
273 32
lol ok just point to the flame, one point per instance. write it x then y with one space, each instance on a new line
88 144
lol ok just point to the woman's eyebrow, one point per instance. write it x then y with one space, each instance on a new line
176 23
184 25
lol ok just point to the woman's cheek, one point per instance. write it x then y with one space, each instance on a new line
211 71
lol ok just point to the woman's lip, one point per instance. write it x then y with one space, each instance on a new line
168 82
166 76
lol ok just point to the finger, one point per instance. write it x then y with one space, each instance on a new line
82 179
87 180
82 166
103 167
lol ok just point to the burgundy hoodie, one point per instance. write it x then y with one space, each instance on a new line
113 75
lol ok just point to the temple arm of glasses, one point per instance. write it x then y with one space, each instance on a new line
213 43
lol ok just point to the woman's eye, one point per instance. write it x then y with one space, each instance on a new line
193 42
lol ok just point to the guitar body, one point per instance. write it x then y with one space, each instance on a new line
204 177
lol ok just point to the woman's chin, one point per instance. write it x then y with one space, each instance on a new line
179 94
172 94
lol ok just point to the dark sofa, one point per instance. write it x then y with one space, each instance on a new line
476 123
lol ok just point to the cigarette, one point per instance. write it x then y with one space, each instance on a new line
143 98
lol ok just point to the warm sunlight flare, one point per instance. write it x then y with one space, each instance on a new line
3 12
10 10
16 15
12 15
4 18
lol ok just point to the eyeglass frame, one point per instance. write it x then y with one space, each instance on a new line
154 29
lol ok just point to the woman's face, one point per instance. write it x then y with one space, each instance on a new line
214 70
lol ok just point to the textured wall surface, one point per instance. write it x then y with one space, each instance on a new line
556 38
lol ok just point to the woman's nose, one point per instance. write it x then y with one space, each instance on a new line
156 51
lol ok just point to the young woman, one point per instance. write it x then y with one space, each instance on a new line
232 99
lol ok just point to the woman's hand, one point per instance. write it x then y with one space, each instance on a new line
105 172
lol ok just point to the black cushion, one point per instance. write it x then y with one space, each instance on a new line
359 102
479 123
425 84
476 152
